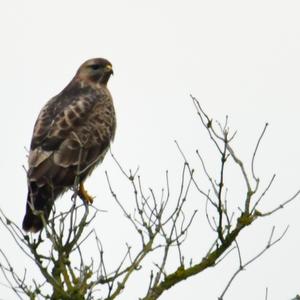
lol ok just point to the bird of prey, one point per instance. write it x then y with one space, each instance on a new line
70 138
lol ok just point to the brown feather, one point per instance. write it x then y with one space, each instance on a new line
72 133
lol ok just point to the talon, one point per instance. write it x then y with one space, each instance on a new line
83 194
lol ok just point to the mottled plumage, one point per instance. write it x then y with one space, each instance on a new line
71 136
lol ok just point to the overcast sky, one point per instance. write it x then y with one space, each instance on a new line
239 58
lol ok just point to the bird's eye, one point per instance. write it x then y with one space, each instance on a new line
95 67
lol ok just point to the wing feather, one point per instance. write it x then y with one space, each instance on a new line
72 133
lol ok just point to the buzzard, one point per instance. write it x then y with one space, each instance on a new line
70 138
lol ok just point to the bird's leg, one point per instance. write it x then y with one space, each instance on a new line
83 194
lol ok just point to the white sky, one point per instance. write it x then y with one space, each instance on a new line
239 58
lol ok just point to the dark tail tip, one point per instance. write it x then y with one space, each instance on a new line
38 203
32 223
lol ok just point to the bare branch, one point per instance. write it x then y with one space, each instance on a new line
243 266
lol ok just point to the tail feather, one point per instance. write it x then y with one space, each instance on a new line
39 199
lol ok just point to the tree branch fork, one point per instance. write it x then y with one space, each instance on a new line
161 224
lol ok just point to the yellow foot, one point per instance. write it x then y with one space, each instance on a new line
83 194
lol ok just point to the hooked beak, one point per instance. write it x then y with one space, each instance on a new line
109 69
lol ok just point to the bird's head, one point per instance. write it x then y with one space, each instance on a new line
95 70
